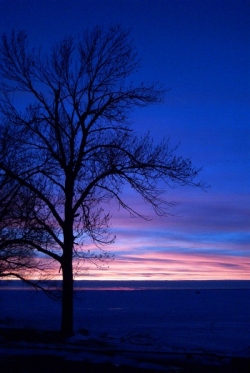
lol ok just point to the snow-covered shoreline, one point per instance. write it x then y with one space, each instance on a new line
119 326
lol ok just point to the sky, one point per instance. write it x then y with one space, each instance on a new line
200 51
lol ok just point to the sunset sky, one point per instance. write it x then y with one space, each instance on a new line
200 51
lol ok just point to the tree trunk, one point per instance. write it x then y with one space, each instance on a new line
67 324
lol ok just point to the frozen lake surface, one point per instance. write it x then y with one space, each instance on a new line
202 318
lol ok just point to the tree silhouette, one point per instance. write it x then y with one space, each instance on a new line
70 149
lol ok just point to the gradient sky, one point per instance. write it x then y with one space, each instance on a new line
200 50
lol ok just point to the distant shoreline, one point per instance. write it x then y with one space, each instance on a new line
130 285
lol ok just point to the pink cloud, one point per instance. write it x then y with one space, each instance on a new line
173 266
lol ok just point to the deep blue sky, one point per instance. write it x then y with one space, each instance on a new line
200 50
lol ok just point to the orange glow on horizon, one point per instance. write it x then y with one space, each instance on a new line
173 266
164 266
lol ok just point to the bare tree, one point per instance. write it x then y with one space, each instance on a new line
71 149
19 237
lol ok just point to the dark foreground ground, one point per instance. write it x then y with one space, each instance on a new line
54 364
24 351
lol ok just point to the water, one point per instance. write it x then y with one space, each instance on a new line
204 315
91 285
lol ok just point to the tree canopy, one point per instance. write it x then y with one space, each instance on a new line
67 149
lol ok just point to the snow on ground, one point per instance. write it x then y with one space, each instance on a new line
119 324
